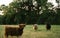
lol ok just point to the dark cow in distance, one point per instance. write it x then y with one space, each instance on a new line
48 26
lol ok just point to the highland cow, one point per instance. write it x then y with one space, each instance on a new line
48 26
14 31
35 26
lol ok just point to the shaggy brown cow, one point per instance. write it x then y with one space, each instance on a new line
14 31
35 26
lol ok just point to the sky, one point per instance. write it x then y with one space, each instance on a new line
53 2
6 2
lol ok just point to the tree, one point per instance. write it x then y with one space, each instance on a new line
28 11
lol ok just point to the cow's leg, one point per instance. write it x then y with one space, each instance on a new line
11 36
6 36
18 37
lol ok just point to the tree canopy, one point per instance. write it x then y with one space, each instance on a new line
29 12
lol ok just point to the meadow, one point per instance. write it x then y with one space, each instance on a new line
29 32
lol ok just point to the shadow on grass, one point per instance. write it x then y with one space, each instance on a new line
39 30
36 30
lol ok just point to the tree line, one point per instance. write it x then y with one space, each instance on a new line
29 12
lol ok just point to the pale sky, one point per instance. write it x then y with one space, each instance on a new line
6 2
53 2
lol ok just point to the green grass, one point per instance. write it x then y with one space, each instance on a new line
40 33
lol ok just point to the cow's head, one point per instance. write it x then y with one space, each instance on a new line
21 26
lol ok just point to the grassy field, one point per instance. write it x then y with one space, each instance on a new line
40 33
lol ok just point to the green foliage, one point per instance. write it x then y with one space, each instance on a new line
1 19
41 3
57 18
23 11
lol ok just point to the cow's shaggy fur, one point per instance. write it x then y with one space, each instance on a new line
35 26
14 31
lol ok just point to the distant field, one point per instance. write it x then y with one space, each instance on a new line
40 33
